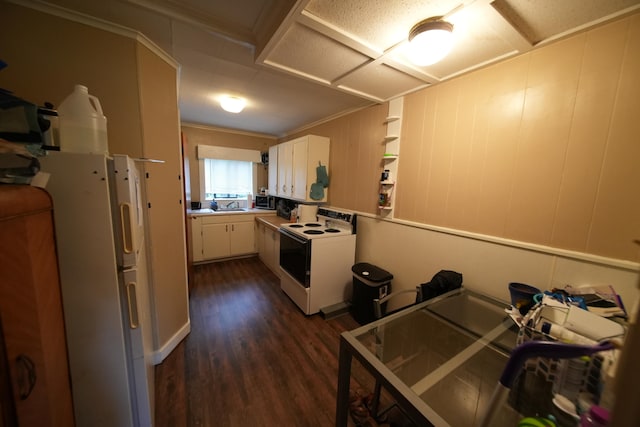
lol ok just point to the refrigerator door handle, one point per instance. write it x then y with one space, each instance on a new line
128 228
132 305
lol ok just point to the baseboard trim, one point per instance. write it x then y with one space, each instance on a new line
161 354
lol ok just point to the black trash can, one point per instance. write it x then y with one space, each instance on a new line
369 282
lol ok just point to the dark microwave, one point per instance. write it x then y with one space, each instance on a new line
265 202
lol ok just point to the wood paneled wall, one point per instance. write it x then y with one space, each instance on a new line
203 135
355 162
46 56
542 148
164 192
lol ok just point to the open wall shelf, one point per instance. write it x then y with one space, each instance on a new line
390 157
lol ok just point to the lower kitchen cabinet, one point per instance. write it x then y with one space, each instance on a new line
215 241
269 247
222 236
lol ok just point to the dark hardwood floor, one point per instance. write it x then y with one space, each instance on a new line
252 357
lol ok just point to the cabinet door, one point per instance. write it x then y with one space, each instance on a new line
215 241
300 185
270 249
196 239
309 152
261 240
285 169
273 170
276 252
242 238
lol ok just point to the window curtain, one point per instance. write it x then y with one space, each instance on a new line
228 176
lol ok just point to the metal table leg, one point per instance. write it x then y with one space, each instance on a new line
344 379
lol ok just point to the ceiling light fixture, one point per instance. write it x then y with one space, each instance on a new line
232 104
430 41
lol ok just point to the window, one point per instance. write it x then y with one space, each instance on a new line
227 178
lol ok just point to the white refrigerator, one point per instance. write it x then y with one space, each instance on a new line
98 214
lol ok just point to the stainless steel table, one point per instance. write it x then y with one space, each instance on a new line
440 360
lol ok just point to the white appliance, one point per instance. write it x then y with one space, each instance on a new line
316 259
307 213
98 215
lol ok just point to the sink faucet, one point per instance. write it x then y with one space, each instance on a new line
230 204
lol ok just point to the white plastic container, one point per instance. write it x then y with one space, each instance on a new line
83 126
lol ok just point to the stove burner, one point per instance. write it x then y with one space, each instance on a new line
296 226
312 224
331 230
313 232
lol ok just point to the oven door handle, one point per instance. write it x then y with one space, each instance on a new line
292 236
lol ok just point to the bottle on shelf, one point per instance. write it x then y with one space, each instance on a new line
386 178
384 199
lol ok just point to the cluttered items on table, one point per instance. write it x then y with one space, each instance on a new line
568 389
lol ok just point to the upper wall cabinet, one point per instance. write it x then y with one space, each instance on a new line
285 170
273 170
302 169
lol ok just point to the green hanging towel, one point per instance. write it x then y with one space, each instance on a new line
317 191
321 175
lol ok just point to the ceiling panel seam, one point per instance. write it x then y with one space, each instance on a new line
335 33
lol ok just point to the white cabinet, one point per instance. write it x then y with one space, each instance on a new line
260 229
390 158
242 237
222 236
269 247
196 238
285 169
273 170
299 167
215 241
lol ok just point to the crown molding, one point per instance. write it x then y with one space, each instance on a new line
98 23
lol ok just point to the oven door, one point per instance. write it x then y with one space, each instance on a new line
295 257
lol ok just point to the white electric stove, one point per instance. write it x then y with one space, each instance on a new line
330 223
316 259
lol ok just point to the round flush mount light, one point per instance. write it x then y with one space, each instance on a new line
232 104
430 41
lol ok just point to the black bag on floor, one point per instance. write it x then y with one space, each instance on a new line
443 281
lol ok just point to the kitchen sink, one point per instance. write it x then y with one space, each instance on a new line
231 209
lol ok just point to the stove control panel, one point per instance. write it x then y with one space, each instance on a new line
341 216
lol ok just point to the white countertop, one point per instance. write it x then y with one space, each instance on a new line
207 211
